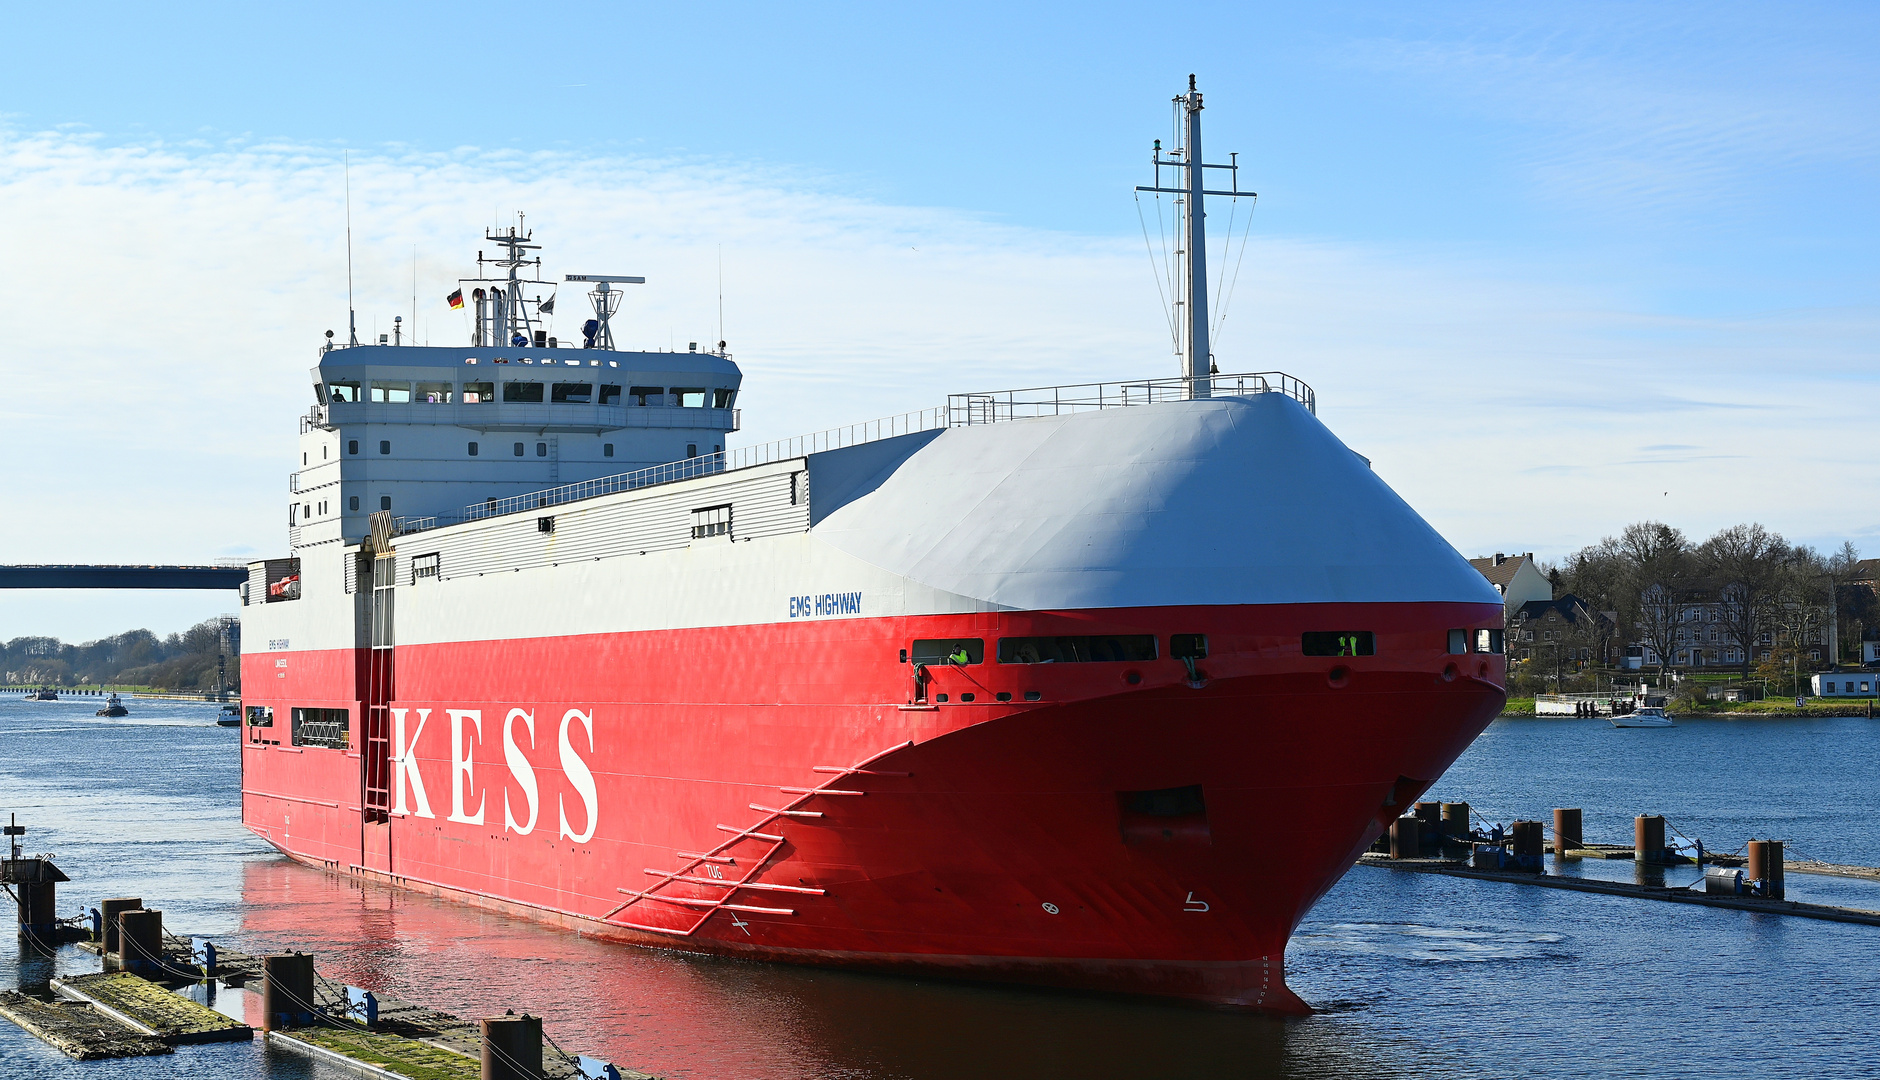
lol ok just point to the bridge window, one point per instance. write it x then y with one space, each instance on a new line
572 393
647 395
391 393
689 397
607 449
478 393
1338 643
434 393
721 399
523 392
941 652
1091 649
342 391
327 728
610 395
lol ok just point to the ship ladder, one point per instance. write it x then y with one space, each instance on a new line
700 866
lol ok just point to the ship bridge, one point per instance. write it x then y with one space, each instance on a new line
421 430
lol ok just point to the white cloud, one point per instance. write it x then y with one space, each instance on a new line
168 302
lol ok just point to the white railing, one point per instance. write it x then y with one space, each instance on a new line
961 410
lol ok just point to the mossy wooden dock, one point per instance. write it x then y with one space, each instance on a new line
77 1029
149 1008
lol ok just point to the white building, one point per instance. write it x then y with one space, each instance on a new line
1517 578
1845 684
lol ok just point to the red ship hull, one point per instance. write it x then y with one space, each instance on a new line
1133 829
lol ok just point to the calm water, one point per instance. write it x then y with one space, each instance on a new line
1414 975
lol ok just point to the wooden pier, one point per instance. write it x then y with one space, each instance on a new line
77 1029
151 1009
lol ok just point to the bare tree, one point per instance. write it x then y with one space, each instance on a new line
1744 564
1658 570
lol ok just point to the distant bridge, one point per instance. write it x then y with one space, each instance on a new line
123 577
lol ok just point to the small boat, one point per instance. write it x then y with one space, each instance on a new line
47 694
1646 716
231 716
114 707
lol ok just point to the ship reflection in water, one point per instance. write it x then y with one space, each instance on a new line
688 1016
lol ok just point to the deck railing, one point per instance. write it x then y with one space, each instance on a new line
961 410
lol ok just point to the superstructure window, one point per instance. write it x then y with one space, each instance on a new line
385 502
711 521
607 449
352 446
646 395
424 566
353 503
610 395
721 399
572 393
327 728
473 449
523 392
689 397
385 446
391 393
518 449
342 391
1081 649
541 449
939 652
478 393
434 393
1338 643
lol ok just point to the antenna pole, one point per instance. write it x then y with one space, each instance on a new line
1198 363
721 297
352 317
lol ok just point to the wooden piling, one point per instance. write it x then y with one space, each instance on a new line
1765 865
140 942
286 991
1406 838
110 910
1567 833
512 1048
1648 838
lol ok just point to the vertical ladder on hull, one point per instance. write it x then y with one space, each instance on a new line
381 688
706 869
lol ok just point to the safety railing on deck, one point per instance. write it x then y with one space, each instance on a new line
961 410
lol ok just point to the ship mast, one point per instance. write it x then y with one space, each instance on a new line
1197 356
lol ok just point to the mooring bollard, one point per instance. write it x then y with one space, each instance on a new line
1456 822
1648 838
286 991
1765 867
1529 841
512 1048
108 915
140 942
1567 835
1406 838
39 911
1430 827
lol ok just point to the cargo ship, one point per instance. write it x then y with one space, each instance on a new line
1094 686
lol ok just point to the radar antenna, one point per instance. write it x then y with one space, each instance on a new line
599 331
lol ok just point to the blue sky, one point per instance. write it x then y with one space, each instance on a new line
1554 268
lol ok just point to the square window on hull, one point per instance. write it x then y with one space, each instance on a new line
938 652
1078 649
1338 643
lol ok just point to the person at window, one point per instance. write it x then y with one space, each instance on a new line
959 656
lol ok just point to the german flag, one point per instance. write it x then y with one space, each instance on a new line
455 300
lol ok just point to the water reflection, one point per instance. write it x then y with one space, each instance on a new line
686 1016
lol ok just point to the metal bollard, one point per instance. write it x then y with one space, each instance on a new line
286 991
1568 835
1648 838
140 942
108 915
1765 866
1406 838
1529 842
512 1048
